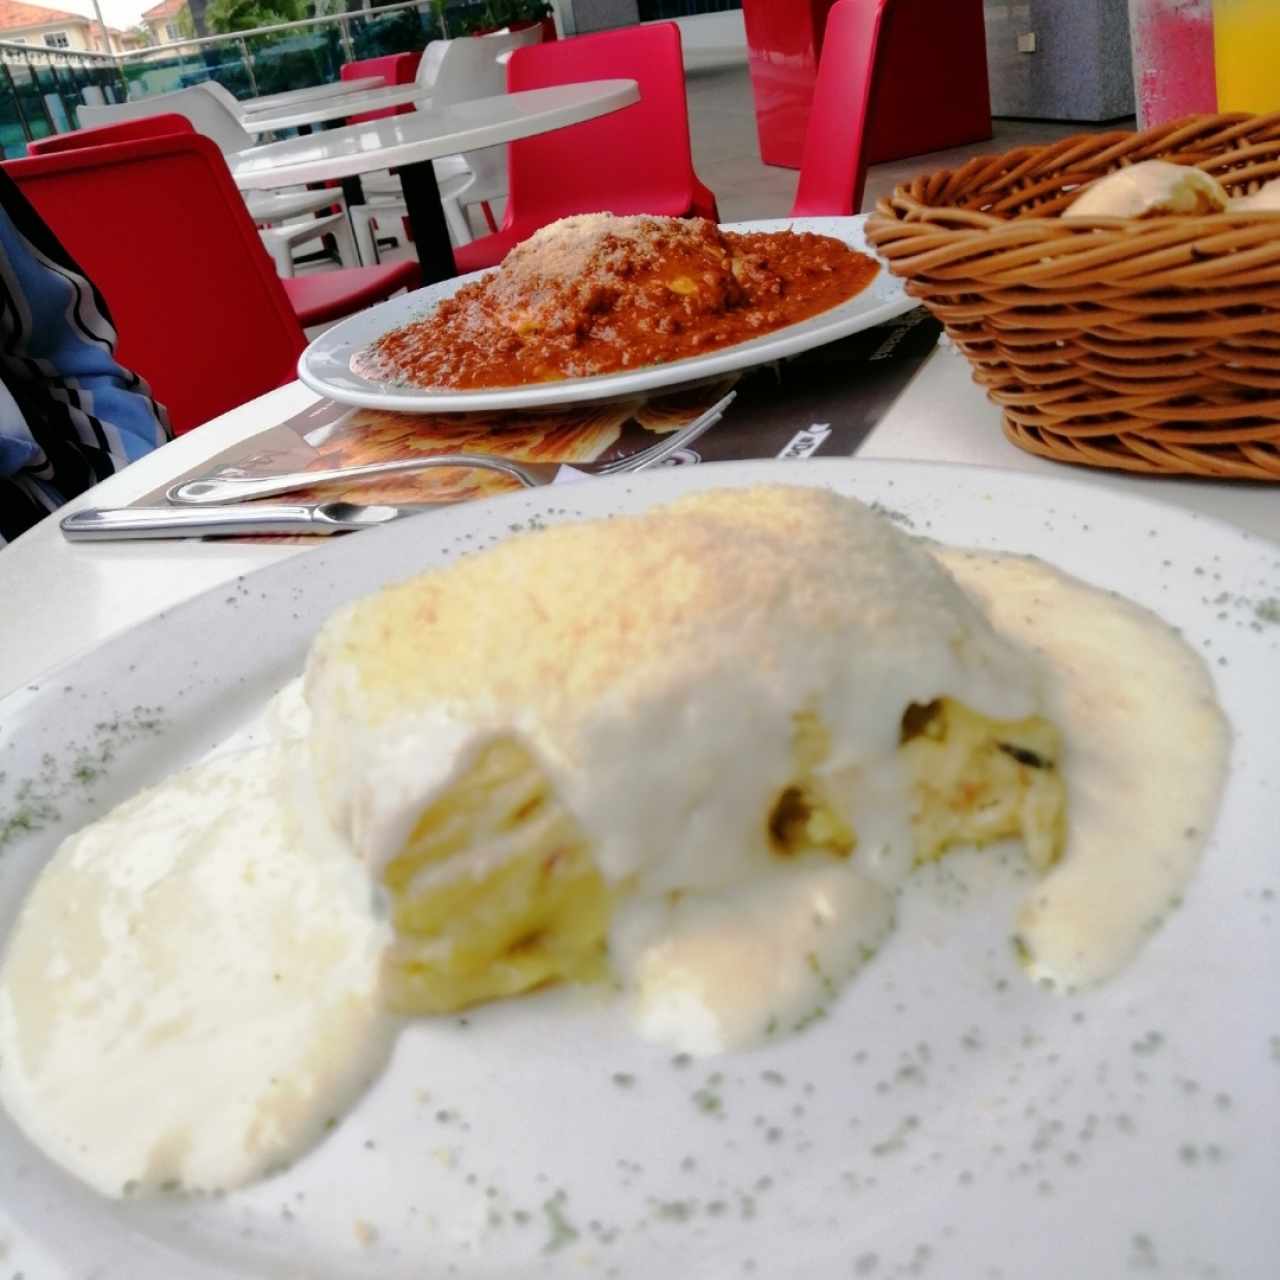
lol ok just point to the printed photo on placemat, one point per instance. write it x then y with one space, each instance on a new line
824 402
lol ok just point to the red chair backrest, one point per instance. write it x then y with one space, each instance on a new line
160 228
394 68
125 131
636 160
833 171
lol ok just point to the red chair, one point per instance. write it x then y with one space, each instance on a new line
833 172
208 329
637 160
317 298
125 131
394 68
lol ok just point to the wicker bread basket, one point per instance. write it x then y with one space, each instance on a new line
1149 345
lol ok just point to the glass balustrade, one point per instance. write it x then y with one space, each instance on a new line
42 89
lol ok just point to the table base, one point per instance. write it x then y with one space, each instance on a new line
426 219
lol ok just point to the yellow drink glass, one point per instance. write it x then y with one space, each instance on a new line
1246 41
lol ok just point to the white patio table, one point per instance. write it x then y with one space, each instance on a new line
329 107
293 97
409 143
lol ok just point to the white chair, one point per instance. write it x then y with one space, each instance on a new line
206 113
453 71
223 95
280 242
477 76
267 208
210 116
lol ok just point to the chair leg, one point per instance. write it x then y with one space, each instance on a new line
281 254
487 209
459 228
345 243
362 220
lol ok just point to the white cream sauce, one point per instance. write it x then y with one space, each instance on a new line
708 973
191 990
1146 760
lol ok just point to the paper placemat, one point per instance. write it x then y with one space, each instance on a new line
821 403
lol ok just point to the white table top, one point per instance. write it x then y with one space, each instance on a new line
427 135
945 417
291 97
330 107
71 596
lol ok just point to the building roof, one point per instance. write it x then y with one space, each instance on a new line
158 12
15 14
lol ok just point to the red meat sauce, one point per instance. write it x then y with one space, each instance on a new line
595 294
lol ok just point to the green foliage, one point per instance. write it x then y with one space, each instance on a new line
505 13
294 59
494 14
243 15
402 32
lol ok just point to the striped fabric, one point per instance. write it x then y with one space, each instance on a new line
69 414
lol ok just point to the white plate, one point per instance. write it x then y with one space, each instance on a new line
325 366
948 1119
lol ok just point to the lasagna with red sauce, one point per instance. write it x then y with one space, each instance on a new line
597 294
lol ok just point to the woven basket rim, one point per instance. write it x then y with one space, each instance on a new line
1143 344
1211 221
1134 227
1234 123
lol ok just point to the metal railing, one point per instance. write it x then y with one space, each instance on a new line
42 89
286 55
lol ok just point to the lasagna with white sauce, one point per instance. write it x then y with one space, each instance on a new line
693 752
553 752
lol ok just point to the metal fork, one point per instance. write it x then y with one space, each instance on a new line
218 489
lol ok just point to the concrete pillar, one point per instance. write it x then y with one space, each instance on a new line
577 17
1059 59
